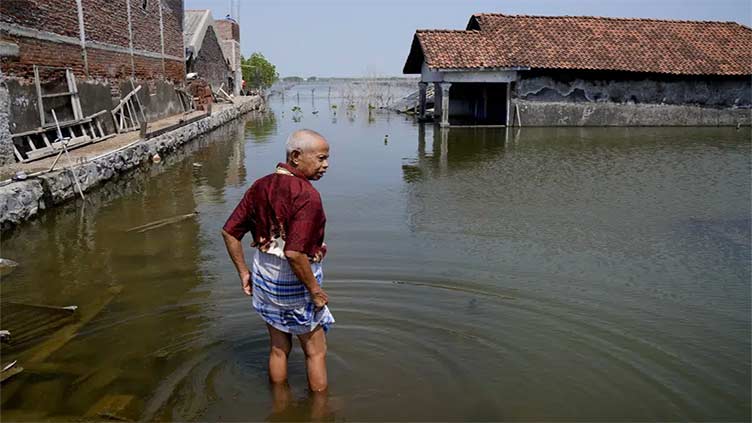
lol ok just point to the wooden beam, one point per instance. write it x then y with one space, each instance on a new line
39 95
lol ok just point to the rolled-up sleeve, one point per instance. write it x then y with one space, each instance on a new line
240 221
305 226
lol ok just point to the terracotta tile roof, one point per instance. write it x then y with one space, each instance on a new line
594 43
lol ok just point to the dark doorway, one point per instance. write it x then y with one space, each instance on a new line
478 104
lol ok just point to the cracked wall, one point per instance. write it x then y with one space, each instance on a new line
717 92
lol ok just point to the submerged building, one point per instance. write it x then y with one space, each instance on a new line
585 71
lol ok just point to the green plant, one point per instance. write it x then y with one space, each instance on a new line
258 72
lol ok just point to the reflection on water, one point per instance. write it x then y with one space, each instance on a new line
476 274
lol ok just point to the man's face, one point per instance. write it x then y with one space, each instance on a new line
314 161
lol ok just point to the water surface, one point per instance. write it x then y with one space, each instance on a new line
475 274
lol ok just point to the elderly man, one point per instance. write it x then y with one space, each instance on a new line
284 214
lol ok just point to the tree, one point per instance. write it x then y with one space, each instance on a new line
258 72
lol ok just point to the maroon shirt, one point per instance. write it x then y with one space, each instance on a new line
281 205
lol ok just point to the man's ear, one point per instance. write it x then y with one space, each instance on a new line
295 156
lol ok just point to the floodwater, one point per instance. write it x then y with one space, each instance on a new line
475 274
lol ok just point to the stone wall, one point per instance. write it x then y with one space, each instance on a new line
22 200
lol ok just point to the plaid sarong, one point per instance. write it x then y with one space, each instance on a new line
282 300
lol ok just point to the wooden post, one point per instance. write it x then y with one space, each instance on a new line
39 96
140 107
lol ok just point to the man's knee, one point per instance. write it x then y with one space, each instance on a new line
315 346
315 351
281 351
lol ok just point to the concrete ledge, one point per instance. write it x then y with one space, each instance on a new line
22 200
539 113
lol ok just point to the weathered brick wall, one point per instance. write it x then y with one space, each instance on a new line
40 52
172 17
47 34
57 16
106 22
143 23
227 30
210 62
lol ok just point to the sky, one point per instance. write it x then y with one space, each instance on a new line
348 38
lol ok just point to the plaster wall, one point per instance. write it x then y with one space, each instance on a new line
546 113
707 92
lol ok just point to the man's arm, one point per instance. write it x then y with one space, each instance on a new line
302 269
235 250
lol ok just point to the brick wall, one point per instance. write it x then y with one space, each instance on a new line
47 34
57 16
106 22
210 62
227 30
172 17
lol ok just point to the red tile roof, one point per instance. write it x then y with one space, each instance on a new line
592 43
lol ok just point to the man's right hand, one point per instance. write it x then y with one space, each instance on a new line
320 299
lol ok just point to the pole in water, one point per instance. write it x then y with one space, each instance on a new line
64 143
298 97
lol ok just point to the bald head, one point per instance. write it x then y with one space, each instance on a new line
308 151
303 140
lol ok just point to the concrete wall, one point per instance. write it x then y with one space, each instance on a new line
600 98
544 113
6 146
158 98
730 92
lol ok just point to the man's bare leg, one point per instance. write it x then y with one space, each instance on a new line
314 347
281 397
281 344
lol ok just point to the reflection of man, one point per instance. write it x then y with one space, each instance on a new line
284 214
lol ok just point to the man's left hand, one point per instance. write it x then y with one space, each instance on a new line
245 281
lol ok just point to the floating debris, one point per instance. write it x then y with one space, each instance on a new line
7 266
156 158
161 222
111 407
197 165
5 336
9 371
30 322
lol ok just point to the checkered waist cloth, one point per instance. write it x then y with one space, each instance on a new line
282 300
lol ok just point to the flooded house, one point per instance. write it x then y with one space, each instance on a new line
85 60
504 70
203 53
